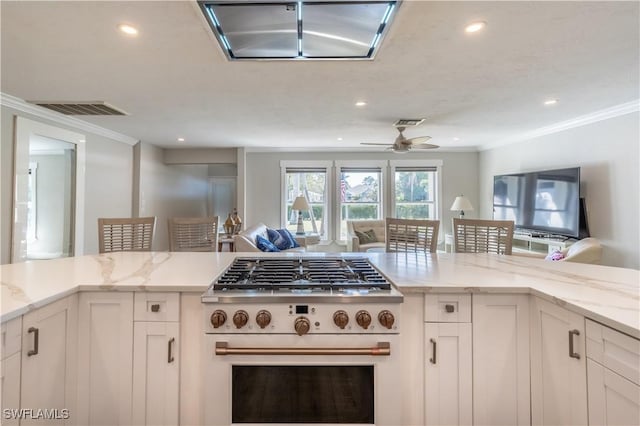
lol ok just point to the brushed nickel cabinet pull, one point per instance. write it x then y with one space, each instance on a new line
155 307
573 354
170 358
432 360
382 349
36 335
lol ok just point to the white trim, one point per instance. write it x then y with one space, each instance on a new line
583 120
415 163
361 163
40 112
306 164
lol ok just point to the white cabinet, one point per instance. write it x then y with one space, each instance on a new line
501 359
105 358
613 376
11 339
49 360
448 360
156 373
156 359
558 365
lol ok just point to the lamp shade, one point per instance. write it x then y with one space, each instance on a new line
300 204
461 203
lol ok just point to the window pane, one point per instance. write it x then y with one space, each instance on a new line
313 186
360 197
415 194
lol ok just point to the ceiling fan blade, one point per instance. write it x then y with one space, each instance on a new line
425 146
376 144
419 140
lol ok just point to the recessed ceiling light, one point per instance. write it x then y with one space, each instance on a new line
456 139
339 139
180 139
128 29
551 102
475 27
361 103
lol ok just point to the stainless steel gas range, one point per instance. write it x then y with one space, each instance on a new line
302 340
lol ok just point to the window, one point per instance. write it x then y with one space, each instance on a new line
312 183
415 192
360 195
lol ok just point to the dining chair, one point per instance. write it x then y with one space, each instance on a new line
125 234
193 233
482 236
412 235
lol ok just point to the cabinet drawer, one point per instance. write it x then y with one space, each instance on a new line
156 307
616 351
11 337
447 308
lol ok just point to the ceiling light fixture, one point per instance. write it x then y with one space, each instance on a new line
456 139
128 29
551 102
475 27
339 139
360 103
180 139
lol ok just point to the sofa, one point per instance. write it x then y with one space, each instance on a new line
245 241
587 250
353 242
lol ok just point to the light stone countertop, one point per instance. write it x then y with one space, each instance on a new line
605 294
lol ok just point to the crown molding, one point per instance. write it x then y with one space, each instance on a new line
583 120
40 112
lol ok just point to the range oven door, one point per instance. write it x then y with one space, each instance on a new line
314 379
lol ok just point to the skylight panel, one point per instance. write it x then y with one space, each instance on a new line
299 30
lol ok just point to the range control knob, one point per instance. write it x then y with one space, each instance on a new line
386 319
341 319
240 318
218 318
263 318
302 326
363 319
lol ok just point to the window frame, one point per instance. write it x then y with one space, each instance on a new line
315 165
427 165
383 165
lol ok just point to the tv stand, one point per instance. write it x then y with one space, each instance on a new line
538 242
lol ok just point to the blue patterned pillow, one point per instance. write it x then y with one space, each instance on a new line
282 238
264 244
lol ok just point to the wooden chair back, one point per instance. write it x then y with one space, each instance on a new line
193 233
482 236
125 234
413 235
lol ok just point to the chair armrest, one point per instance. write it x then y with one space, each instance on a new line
353 244
242 243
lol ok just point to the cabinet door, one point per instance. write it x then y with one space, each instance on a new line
49 360
105 358
448 378
613 400
501 360
156 370
10 378
558 367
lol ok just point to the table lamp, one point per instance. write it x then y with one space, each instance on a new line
300 204
461 203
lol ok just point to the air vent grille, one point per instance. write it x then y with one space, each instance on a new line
409 122
81 108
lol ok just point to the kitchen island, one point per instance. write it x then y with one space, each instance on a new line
508 306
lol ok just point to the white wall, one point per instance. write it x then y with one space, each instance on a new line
459 176
607 153
168 191
109 166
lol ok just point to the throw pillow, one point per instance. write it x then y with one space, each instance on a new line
282 238
556 255
265 245
367 237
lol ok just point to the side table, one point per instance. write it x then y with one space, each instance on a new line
222 240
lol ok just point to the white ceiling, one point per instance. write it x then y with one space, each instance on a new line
174 80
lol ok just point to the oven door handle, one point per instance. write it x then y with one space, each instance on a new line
381 349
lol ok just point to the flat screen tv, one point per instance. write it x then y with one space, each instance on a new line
544 203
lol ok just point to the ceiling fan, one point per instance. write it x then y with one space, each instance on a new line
402 144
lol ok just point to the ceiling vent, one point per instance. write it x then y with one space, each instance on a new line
409 122
80 108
